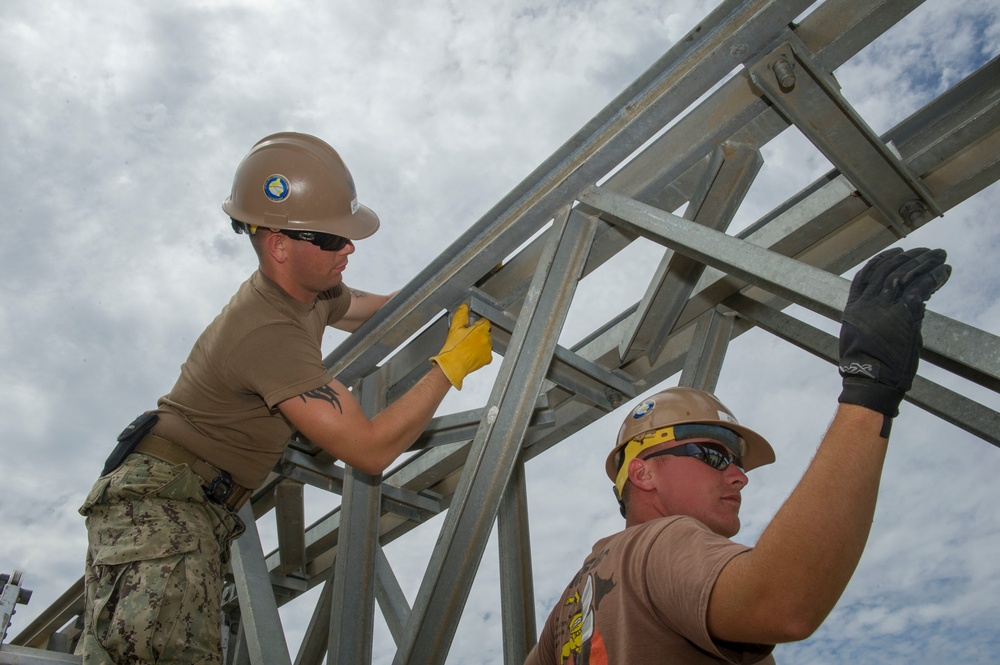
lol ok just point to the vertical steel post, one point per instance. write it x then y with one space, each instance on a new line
353 616
261 623
517 591
703 364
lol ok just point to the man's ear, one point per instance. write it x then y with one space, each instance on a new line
641 475
275 245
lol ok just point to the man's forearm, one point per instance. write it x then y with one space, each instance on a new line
403 421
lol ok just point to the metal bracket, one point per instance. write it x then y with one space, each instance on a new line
809 97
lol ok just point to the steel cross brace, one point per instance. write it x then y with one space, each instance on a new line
703 362
723 187
496 449
601 386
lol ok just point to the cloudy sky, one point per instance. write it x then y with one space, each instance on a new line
121 124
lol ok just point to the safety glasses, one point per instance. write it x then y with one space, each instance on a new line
325 241
716 457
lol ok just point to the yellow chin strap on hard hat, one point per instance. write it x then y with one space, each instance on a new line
636 446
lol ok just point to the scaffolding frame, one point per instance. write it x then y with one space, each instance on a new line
688 134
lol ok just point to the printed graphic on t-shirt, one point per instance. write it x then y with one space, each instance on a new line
582 643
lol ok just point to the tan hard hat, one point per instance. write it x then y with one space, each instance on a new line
681 405
297 182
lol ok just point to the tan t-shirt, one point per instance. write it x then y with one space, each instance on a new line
642 597
263 348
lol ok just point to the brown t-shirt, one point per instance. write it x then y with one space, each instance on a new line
642 597
263 348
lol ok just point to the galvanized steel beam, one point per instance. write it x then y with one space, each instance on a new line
961 411
517 590
730 34
353 615
810 97
724 185
392 601
290 520
258 608
976 351
496 448
703 363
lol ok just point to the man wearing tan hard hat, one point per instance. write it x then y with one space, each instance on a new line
163 513
672 587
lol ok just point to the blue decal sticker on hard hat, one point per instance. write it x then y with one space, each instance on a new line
643 409
277 188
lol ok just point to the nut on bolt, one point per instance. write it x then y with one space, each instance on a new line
913 212
784 72
614 397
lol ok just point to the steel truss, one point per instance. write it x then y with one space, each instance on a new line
764 74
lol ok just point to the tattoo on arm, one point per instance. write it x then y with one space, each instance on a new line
358 294
325 393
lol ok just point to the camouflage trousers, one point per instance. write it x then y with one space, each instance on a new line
156 557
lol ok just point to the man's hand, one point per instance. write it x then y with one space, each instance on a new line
467 348
880 337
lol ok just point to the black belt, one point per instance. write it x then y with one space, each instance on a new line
218 485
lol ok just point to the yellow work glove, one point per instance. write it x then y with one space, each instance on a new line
467 348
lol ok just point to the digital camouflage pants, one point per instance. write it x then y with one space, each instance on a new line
155 562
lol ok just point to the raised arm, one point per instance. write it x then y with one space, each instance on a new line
331 417
784 588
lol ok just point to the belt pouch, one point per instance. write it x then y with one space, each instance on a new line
129 439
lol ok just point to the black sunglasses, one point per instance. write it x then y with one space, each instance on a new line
325 241
717 459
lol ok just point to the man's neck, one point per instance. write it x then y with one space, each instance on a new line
293 290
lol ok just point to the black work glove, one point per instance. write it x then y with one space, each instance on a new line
880 337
